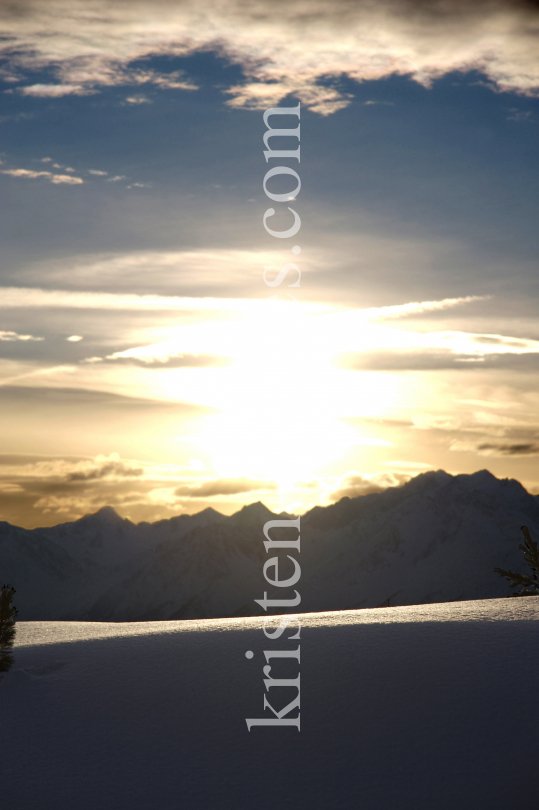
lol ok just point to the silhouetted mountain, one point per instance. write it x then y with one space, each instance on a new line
435 539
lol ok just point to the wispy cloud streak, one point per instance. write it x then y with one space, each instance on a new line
53 178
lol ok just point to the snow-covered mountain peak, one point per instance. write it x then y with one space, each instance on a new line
255 512
487 483
209 512
431 480
106 515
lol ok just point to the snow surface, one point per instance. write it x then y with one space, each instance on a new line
430 707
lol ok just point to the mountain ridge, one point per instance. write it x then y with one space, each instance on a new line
436 538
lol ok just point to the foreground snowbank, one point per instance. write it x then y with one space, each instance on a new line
429 706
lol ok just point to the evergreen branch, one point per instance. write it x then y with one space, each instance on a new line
515 579
531 555
531 551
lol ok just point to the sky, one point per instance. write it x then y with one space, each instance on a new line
146 364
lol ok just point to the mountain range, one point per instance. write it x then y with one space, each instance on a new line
436 538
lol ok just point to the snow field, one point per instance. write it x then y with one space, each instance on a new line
431 706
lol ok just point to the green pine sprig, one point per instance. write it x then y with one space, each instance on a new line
529 584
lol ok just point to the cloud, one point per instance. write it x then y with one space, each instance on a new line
427 422
154 269
224 486
39 490
169 354
293 48
55 90
436 360
519 115
66 398
53 178
93 479
11 336
74 338
346 319
176 80
509 428
35 297
97 172
42 490
353 484
66 506
140 99
106 469
160 356
65 469
6 487
495 449
261 95
66 168
22 116
381 348
170 81
418 307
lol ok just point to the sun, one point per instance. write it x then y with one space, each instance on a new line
282 402
281 447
